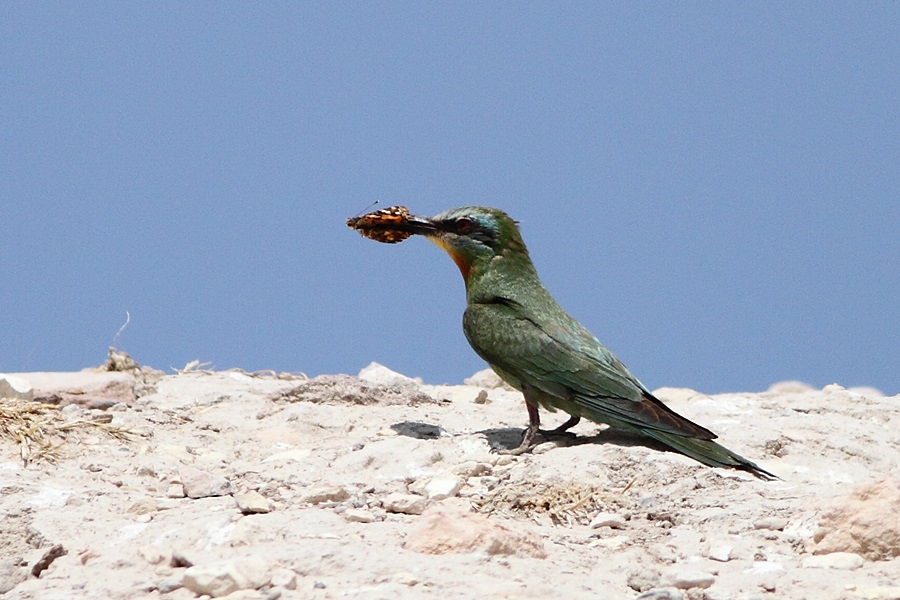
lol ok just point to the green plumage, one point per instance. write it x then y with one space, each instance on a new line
514 324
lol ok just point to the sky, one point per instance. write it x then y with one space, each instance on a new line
713 189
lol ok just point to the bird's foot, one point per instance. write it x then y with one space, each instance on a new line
523 448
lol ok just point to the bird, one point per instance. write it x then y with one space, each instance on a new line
515 325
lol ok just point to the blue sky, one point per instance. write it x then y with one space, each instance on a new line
713 189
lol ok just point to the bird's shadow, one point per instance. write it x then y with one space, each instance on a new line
508 438
511 437
419 431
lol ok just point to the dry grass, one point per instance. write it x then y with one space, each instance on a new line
40 429
564 503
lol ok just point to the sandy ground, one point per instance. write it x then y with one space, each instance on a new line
265 486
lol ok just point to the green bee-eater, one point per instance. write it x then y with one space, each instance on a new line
514 324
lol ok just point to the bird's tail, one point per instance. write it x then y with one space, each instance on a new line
708 452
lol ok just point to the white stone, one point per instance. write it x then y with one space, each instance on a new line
359 515
202 484
12 386
325 493
376 373
440 488
222 578
720 551
846 561
607 519
253 502
686 578
408 504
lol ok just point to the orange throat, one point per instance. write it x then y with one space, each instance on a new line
459 259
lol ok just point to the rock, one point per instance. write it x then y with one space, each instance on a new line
324 493
83 386
771 523
359 515
845 561
12 386
641 580
168 585
202 484
608 519
720 551
446 530
143 507
222 578
857 523
408 504
253 502
487 379
685 578
471 468
440 488
376 373
175 490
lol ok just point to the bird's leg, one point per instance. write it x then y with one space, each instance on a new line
534 423
564 428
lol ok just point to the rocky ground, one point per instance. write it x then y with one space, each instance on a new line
140 485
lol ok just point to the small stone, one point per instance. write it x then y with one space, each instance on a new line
471 468
143 507
168 585
772 523
202 484
846 561
641 580
359 515
685 579
222 578
253 502
608 519
440 488
325 493
175 490
408 504
720 550
481 398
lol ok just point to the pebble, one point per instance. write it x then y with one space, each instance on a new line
440 488
222 578
846 561
773 523
608 519
202 484
253 502
471 468
324 493
358 515
686 579
408 504
720 550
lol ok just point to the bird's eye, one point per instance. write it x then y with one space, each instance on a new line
463 225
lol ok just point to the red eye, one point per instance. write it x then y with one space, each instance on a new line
463 225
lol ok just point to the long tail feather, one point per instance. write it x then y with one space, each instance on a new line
708 452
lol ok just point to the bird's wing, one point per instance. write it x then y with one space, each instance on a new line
569 364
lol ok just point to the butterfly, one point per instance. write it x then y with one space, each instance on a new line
385 225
